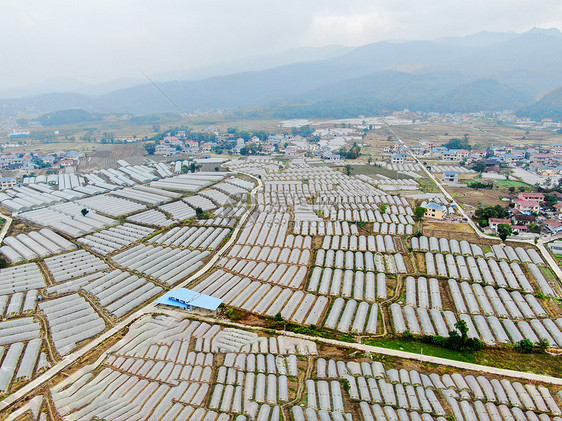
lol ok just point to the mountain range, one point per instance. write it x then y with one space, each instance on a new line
482 72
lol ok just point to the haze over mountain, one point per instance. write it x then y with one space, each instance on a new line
484 71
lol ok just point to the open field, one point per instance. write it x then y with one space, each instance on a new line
373 170
478 197
510 183
481 134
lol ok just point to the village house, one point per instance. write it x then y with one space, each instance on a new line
527 205
494 222
531 196
434 210
520 228
451 177
7 183
552 225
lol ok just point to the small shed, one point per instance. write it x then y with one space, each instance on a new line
191 301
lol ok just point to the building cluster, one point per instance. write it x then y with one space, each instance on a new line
544 160
526 213
30 161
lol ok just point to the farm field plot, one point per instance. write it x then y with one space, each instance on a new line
168 368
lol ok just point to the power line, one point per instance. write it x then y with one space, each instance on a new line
182 112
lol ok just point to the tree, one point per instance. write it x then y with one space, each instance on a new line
512 189
550 200
383 208
150 148
525 345
419 213
534 228
482 215
504 231
84 212
184 169
480 167
542 345
348 169
458 143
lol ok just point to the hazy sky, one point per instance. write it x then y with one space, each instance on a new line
101 40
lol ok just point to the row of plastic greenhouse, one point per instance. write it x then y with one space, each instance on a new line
497 251
151 217
361 261
162 263
382 244
110 205
480 270
120 292
74 264
188 182
21 361
489 329
382 392
154 370
208 238
289 275
35 244
19 303
358 285
357 317
21 278
169 368
116 238
264 298
68 219
475 299
71 320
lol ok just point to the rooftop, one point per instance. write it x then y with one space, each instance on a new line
185 298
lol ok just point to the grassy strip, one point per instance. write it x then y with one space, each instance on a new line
422 349
427 185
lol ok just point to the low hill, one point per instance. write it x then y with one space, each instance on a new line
549 106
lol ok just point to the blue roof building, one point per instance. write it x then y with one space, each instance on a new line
189 300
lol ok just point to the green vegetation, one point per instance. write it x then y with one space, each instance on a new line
353 153
418 347
480 167
511 183
479 185
235 314
455 143
481 215
504 231
427 185
525 345
201 214
59 118
419 213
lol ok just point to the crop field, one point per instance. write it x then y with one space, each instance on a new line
510 183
